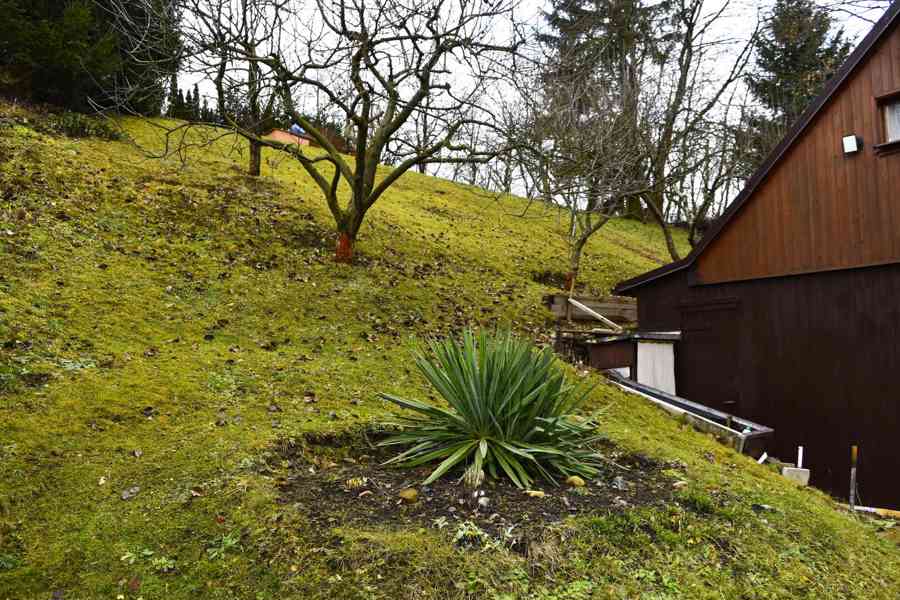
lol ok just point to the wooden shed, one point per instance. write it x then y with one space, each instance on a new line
789 307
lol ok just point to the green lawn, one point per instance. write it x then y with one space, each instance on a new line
152 313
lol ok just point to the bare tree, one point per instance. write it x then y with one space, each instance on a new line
570 140
680 97
669 66
380 64
422 133
716 155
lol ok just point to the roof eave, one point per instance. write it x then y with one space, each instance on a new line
623 287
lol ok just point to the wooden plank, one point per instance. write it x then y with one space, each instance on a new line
622 310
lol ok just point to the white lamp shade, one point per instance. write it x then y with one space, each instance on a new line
851 144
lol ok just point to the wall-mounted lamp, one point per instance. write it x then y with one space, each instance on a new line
852 144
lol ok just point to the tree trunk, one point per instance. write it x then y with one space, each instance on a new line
654 202
670 241
255 159
344 251
572 275
692 234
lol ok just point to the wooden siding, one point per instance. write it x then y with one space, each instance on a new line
817 357
819 210
612 355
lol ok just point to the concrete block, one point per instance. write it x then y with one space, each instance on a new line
799 476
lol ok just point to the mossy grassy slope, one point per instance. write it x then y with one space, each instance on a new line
157 309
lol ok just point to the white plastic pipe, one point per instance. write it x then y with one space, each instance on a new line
800 457
594 314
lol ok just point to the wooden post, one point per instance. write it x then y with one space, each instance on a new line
854 452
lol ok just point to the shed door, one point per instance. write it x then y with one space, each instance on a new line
707 362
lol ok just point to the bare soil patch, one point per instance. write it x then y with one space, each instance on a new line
348 485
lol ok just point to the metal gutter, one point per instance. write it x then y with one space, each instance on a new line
743 435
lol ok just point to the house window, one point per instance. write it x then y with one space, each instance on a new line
889 107
892 120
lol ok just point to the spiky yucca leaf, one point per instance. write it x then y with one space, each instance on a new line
509 412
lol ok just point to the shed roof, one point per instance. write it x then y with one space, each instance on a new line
856 58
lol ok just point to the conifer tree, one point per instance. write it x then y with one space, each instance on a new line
799 50
610 41
196 114
172 101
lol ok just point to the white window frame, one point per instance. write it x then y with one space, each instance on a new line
891 115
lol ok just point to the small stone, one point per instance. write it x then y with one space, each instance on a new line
137 453
484 502
619 483
535 493
575 481
130 493
409 495
274 408
679 484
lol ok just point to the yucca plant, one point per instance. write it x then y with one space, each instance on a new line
509 412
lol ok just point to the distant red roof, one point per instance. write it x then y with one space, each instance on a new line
286 137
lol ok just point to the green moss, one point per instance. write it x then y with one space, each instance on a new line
153 313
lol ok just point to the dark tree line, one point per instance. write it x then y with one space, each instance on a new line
190 106
69 53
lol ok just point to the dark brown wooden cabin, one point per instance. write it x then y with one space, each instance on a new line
789 307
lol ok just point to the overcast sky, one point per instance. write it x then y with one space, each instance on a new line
738 22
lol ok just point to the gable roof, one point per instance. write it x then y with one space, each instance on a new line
856 58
